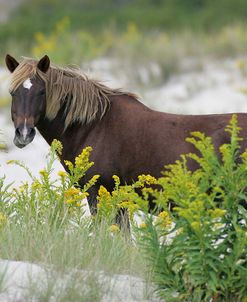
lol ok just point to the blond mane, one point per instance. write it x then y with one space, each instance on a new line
84 98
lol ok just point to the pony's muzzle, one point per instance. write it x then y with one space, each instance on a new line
24 135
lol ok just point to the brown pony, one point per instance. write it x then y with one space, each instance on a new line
128 138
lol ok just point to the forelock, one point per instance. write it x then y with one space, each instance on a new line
27 69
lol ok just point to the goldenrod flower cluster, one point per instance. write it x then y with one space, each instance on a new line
36 185
83 159
105 205
81 165
145 180
114 228
69 165
142 225
47 43
91 182
62 174
57 146
196 225
116 180
217 213
164 220
23 188
3 220
103 193
131 206
43 173
74 196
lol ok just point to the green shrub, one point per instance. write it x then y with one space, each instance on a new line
197 252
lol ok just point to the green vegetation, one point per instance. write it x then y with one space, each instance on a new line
143 32
204 15
195 252
133 47
42 222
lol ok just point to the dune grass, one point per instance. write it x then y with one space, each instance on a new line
74 259
42 223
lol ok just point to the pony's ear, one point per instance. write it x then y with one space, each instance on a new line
44 64
11 63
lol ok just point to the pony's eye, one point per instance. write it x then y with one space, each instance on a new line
42 92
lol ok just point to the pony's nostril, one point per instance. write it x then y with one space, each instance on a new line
32 132
17 132
25 133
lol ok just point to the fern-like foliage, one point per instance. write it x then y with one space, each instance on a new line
203 255
198 250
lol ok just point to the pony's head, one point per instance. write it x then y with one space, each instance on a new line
28 91
40 90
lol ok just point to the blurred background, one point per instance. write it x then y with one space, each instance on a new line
180 56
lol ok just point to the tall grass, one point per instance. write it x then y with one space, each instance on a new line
42 222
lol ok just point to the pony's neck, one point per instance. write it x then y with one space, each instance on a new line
54 129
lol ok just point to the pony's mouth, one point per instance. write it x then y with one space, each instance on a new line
19 145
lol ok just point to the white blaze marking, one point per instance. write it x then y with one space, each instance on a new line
27 84
24 133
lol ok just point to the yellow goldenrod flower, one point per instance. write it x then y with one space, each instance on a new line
142 225
39 37
148 179
114 228
103 192
3 146
116 180
62 174
163 214
3 220
217 213
43 172
74 196
69 165
196 225
83 159
11 161
36 185
164 220
71 192
23 187
131 206
92 181
69 201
